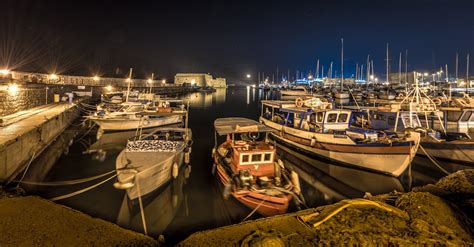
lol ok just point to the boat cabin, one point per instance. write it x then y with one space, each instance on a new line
314 120
246 147
458 119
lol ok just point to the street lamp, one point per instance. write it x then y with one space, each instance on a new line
4 72
163 81
96 78
53 76
248 76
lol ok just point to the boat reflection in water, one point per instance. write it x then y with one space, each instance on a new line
324 183
205 100
159 207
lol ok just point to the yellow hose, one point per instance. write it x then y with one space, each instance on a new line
314 218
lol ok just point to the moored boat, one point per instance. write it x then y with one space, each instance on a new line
245 164
339 135
149 161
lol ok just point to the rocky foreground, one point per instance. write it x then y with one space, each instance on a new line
33 221
439 214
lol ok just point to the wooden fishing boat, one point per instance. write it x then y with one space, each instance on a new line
444 134
245 164
339 135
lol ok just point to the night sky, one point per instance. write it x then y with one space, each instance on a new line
231 38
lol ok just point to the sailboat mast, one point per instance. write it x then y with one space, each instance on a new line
342 64
467 73
406 70
317 69
400 69
129 79
457 62
387 66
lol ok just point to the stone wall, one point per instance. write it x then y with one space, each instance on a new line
23 99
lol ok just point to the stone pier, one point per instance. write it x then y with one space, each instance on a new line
27 133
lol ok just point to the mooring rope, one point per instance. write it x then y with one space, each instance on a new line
66 182
255 209
434 161
26 170
75 193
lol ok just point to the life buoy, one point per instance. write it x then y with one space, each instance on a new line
299 102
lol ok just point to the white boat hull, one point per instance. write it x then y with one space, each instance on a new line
393 164
114 124
150 176
456 155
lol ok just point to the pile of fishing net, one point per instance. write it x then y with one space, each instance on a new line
154 146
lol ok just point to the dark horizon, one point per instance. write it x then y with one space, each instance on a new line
231 39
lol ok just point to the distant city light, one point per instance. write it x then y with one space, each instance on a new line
310 77
109 88
4 71
163 81
53 76
425 74
12 89
248 76
150 81
193 82
95 78
371 77
128 80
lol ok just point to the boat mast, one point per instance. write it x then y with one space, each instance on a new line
400 69
129 79
151 83
467 73
342 64
317 69
457 61
406 71
387 66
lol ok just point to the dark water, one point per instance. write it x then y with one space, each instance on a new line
193 201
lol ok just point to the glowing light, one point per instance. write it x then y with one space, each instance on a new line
425 74
53 77
193 82
149 81
163 81
12 89
95 78
128 80
310 77
4 71
371 77
248 76
109 88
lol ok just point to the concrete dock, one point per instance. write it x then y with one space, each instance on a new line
24 135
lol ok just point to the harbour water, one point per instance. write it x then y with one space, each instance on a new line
193 201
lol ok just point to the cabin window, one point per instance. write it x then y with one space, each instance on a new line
332 117
319 117
342 118
245 158
256 157
379 117
391 120
466 116
453 116
267 157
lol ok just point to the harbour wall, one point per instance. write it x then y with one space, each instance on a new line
23 141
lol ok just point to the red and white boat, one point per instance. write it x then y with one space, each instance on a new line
245 165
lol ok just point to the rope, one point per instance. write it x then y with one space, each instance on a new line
434 161
346 203
67 182
142 212
28 166
85 134
75 193
255 209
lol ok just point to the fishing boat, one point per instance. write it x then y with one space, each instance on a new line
245 164
299 91
419 112
151 160
340 136
133 115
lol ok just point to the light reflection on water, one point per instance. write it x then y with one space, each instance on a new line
194 202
